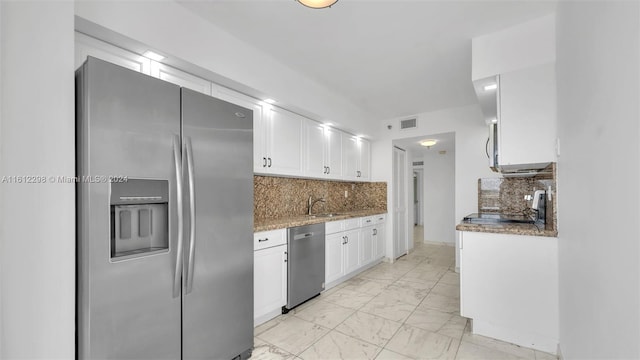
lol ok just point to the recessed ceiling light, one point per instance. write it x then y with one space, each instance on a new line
428 142
490 87
153 56
269 101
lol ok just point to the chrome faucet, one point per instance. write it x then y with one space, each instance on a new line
312 202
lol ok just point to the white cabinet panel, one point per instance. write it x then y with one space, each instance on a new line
178 77
352 254
314 150
509 287
350 157
356 158
283 142
527 122
334 263
265 239
366 244
88 46
380 245
333 152
269 280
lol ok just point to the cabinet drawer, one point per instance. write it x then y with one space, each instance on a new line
332 227
380 219
351 224
368 221
266 239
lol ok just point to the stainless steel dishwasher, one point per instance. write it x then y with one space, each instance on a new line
305 266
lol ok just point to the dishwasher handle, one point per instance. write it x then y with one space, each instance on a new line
302 236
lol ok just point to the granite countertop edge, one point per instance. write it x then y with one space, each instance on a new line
301 220
513 229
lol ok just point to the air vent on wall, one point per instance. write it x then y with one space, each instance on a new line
408 124
418 163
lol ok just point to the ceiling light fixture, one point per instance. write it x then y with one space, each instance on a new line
428 143
153 56
317 4
490 87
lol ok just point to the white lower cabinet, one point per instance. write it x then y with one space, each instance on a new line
509 287
269 276
351 248
334 263
366 244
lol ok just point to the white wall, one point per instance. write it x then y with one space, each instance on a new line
598 69
37 237
439 192
525 45
172 29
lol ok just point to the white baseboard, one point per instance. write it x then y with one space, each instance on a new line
516 336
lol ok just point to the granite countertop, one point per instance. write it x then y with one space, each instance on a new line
514 229
300 220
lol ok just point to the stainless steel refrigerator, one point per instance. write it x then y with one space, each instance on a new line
165 220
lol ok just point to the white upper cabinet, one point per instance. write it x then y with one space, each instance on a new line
181 78
527 118
356 158
88 46
322 151
282 150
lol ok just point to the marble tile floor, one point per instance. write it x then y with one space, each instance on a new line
405 310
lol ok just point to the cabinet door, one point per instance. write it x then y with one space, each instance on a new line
314 150
333 153
259 126
269 279
379 241
527 123
364 146
334 264
352 251
284 142
350 156
366 245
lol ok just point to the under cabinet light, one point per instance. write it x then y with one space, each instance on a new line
490 87
152 55
269 101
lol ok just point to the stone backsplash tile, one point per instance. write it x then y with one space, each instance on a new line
278 197
506 195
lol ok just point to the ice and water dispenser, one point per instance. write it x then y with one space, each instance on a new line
139 218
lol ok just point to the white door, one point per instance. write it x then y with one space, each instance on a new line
334 264
269 280
399 203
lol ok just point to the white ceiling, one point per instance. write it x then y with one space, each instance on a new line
390 58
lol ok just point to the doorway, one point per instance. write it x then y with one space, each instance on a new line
400 209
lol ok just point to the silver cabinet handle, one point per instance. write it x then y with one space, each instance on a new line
269 162
344 241
264 162
265 239
178 270
375 231
347 241
192 216
325 170
328 169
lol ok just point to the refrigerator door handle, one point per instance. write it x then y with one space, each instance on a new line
177 287
192 216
